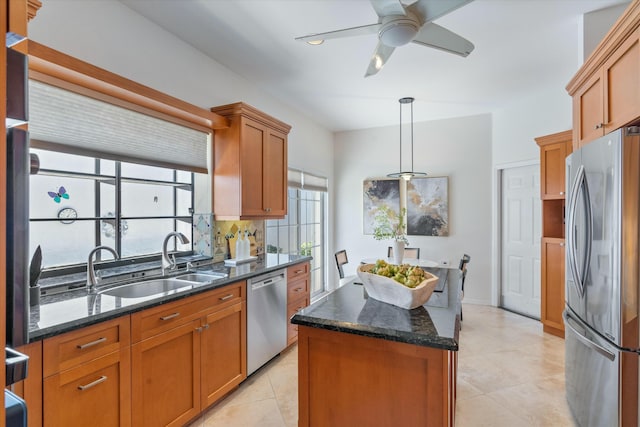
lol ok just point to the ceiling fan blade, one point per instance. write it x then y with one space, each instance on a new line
347 32
388 7
435 36
428 10
379 58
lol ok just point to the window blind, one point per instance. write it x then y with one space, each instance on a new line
88 125
306 181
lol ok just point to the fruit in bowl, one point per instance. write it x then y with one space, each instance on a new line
399 287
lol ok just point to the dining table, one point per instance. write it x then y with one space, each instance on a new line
411 261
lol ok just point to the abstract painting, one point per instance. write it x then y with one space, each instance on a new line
378 193
428 207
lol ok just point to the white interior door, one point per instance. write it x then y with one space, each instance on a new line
520 262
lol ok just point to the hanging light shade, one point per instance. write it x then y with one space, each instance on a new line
406 175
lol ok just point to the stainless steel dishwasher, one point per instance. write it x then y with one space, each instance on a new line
266 318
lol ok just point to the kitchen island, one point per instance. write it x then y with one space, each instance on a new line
364 362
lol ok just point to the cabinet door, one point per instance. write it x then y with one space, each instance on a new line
224 357
292 308
588 114
553 285
622 84
252 135
166 377
552 165
275 174
97 393
30 389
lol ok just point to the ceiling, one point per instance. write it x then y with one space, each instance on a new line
521 46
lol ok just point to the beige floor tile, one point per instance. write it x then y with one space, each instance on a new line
482 411
262 413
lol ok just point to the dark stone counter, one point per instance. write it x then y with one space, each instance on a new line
64 312
348 309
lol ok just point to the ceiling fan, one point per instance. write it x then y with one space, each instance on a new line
399 24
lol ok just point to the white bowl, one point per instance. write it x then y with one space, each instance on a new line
387 290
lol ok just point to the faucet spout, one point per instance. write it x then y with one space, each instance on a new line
92 278
169 262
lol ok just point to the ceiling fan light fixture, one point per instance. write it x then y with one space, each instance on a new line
406 175
398 31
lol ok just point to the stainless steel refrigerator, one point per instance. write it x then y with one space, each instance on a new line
602 338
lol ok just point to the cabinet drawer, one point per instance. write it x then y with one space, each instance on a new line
297 289
156 320
298 270
292 308
73 348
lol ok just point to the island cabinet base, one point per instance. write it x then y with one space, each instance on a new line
352 380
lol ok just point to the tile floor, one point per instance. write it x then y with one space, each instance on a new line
510 374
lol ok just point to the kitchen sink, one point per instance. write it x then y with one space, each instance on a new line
201 277
149 288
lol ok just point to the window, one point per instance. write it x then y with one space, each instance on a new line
302 232
78 203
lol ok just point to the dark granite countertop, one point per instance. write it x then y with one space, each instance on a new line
64 312
348 309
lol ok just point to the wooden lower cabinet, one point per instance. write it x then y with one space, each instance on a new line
187 366
166 377
352 380
553 283
224 352
96 393
298 295
30 389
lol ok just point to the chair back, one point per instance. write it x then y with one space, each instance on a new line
412 253
463 266
341 259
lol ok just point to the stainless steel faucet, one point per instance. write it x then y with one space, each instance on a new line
169 262
92 278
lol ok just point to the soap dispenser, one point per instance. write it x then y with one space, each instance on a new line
239 246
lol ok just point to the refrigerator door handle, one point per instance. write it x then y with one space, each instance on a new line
571 231
589 229
586 341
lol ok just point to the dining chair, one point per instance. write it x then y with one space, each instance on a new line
342 259
412 253
463 267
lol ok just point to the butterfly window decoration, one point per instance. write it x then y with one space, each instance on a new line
59 195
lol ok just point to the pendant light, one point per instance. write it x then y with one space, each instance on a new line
406 175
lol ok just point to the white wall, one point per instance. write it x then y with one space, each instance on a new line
112 36
458 148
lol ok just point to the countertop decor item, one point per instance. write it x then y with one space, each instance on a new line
387 290
406 175
391 225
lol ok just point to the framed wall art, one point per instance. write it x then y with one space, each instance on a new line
428 206
378 193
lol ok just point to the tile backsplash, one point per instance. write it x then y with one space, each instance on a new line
217 239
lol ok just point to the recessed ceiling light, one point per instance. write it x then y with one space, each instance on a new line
315 42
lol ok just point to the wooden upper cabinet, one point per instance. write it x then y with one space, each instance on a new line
250 165
606 89
553 151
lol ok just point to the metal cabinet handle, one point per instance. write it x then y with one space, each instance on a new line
206 326
267 209
599 125
297 289
226 297
92 384
91 344
299 271
562 193
199 329
170 316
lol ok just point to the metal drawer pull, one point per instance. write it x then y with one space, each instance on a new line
91 344
299 271
94 383
297 289
171 316
226 297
